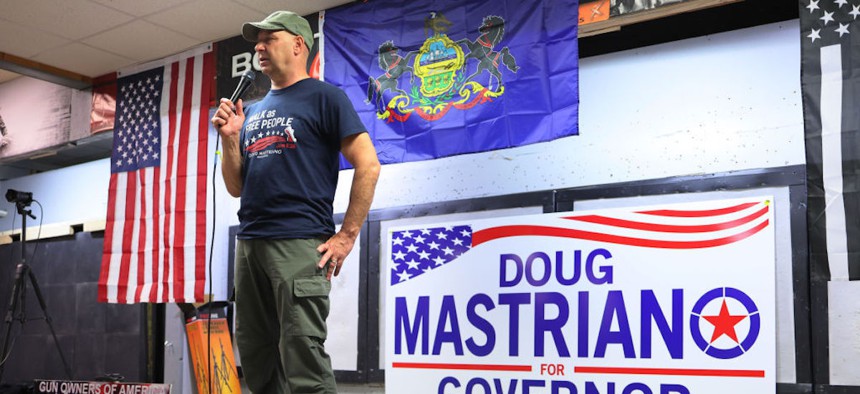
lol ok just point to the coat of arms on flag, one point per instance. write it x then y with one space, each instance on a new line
442 78
440 66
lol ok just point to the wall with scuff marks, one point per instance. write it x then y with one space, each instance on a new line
712 104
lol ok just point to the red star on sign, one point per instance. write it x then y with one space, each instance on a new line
724 323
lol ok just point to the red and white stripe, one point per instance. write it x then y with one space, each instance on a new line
719 224
155 235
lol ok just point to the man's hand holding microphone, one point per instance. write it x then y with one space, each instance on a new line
228 121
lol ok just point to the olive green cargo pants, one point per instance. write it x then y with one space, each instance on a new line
281 307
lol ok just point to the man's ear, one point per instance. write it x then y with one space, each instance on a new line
297 47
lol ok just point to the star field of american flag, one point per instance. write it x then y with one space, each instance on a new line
831 20
137 133
414 252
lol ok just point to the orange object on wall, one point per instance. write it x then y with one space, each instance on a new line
594 11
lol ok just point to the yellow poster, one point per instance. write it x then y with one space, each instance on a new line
222 366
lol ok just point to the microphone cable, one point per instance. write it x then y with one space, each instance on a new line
211 253
245 81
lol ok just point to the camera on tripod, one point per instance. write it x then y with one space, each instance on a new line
15 312
19 197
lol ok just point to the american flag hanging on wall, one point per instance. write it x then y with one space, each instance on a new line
830 79
155 235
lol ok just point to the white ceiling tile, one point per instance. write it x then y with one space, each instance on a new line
207 20
70 19
83 59
11 41
300 7
141 8
150 41
94 37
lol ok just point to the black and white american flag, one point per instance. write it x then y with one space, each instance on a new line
830 80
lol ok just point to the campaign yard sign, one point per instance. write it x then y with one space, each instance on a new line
671 299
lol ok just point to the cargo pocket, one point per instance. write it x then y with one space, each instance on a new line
312 306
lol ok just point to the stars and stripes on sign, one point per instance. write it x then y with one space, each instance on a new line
155 235
659 229
420 250
830 81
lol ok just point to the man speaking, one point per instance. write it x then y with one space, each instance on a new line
281 158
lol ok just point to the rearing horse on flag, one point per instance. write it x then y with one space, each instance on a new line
492 30
394 66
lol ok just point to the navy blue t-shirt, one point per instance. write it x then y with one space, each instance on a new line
290 148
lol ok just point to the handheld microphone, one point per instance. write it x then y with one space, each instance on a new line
245 81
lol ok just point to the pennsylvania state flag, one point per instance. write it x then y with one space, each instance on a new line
433 79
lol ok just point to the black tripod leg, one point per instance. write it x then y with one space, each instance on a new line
17 289
48 319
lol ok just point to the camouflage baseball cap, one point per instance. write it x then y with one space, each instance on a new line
280 20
